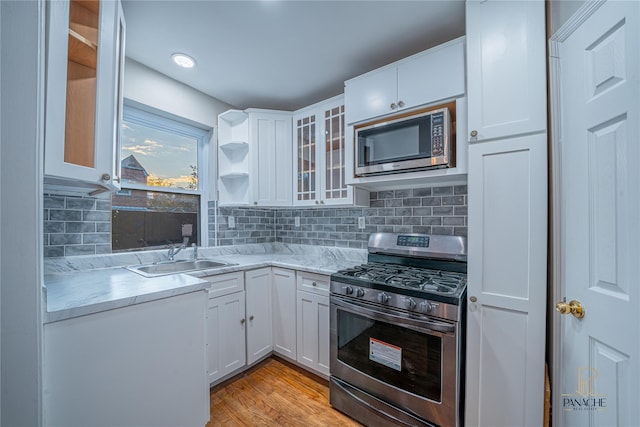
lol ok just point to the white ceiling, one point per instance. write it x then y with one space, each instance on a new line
283 54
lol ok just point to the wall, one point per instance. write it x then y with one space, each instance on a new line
437 210
82 225
148 87
22 87
79 226
76 225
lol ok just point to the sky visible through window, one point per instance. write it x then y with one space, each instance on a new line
170 160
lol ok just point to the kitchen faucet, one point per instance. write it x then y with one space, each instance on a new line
173 251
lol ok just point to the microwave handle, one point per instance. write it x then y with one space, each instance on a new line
423 324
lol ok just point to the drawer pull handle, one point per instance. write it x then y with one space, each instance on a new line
251 317
242 321
314 284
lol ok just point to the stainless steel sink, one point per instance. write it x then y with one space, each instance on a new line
174 267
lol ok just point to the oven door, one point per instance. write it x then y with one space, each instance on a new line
407 360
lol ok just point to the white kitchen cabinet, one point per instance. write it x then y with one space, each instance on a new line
140 365
83 108
312 308
258 312
272 160
283 291
226 344
506 68
434 75
321 157
507 282
254 158
507 198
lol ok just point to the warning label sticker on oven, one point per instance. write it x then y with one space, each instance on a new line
385 354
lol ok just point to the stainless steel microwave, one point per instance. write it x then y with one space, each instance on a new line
403 144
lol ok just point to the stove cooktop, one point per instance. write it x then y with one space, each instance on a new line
440 285
442 282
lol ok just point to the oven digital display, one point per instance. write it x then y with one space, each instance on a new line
415 241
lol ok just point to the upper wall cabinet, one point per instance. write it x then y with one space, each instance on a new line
506 72
272 159
433 75
85 58
254 158
321 157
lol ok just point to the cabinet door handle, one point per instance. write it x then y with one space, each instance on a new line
474 133
105 177
242 321
251 317
400 104
393 106
314 284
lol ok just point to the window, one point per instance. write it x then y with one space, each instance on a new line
162 172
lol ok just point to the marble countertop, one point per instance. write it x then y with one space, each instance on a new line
82 285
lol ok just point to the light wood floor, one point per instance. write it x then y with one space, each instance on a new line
275 393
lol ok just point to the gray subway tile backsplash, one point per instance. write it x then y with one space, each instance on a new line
76 226
82 225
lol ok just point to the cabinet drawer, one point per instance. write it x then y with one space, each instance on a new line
311 282
225 284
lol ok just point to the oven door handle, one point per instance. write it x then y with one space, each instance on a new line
423 323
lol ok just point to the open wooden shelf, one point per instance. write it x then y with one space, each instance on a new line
91 5
82 51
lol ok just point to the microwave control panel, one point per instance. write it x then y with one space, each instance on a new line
437 134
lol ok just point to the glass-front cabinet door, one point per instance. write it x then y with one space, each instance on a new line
306 179
319 133
334 142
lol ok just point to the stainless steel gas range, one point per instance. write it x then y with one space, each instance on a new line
397 332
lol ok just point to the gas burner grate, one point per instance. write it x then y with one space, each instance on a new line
401 276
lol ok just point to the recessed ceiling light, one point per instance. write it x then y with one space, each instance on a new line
183 60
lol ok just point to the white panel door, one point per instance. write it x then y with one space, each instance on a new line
507 280
263 168
226 345
283 290
272 163
432 77
371 94
599 226
283 162
313 331
258 311
506 74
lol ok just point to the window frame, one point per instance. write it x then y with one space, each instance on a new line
145 115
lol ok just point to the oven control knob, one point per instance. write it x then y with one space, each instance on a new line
383 298
348 290
425 307
411 304
360 292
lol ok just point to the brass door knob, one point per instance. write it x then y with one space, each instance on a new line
574 307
